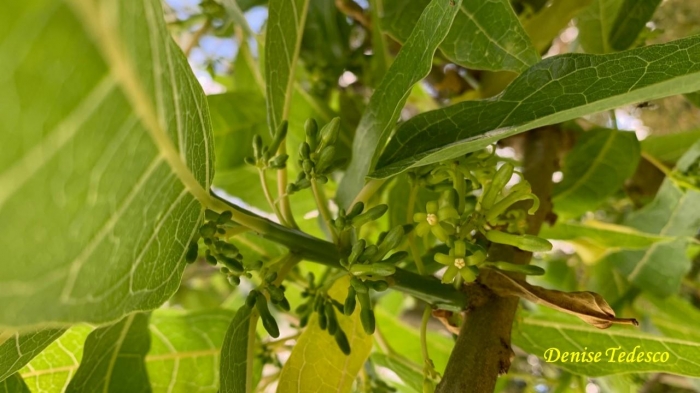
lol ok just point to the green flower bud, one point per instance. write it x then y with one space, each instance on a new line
211 215
391 240
342 341
366 313
279 162
211 259
379 286
356 210
208 229
375 269
357 249
325 159
226 249
329 133
523 242
276 293
304 151
311 129
251 299
500 179
395 258
250 161
224 217
358 285
269 322
307 166
279 136
322 320
350 302
530 270
271 277
330 315
284 304
370 215
234 280
192 252
232 264
302 309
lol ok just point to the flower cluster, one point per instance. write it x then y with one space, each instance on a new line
476 207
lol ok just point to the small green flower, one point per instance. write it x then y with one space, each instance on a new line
433 221
458 262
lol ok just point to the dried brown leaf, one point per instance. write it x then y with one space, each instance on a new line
589 306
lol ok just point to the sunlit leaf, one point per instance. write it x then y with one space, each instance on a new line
101 160
316 362
52 369
595 23
185 350
601 234
669 147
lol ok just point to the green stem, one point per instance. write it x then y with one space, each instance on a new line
322 205
309 248
268 196
423 337
285 207
411 236
367 191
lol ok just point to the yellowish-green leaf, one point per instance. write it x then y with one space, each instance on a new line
52 369
601 234
113 359
185 350
317 364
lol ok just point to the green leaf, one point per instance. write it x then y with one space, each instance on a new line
410 373
14 384
236 352
485 35
601 234
594 169
185 349
285 26
557 89
537 333
660 268
549 21
595 23
19 349
102 157
673 316
113 358
52 369
316 363
235 117
411 65
669 147
632 16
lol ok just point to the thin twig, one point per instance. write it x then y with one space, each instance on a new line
198 34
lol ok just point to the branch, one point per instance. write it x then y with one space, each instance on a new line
426 288
482 351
